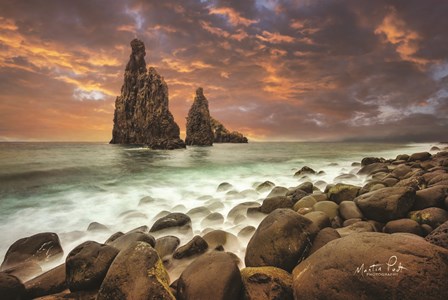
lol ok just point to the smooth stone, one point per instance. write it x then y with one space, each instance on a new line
373 168
349 222
403 225
305 202
335 270
87 265
95 226
146 200
266 283
113 237
420 156
48 283
319 219
216 238
224 187
141 229
343 192
213 275
212 219
194 247
307 187
40 248
430 197
278 191
136 273
171 220
200 211
246 231
349 210
24 271
166 245
433 216
265 186
386 204
11 288
272 203
323 237
358 227
328 207
281 240
123 241
241 209
305 171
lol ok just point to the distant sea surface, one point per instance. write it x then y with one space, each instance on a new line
62 187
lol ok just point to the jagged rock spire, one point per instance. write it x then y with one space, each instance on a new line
199 130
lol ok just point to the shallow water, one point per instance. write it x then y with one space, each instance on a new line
62 187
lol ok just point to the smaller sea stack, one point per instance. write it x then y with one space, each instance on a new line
199 127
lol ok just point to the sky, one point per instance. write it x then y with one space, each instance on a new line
306 70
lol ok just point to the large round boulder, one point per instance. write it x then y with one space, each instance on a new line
10 287
87 265
136 273
281 240
41 247
430 197
266 283
386 204
272 203
433 216
374 266
213 275
349 210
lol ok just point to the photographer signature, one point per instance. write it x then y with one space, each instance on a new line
391 268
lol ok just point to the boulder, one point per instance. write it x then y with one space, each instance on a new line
386 204
24 271
266 283
213 275
272 203
305 202
218 238
223 135
343 192
370 160
196 246
401 171
430 197
374 266
304 171
199 127
113 237
40 248
87 265
307 187
172 220
349 210
323 237
420 156
265 186
48 283
224 187
357 227
166 245
319 219
11 288
246 231
281 240
433 216
439 236
136 273
440 179
141 112
373 168
328 207
278 191
403 225
95 226
123 241
296 195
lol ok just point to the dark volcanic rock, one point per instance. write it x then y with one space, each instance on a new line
136 273
339 269
171 220
41 247
196 246
223 135
386 204
87 265
10 287
48 283
199 127
213 275
281 240
141 111
266 283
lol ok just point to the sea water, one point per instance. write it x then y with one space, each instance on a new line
63 187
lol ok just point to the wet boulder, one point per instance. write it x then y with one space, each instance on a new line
386 204
124 240
213 275
430 197
373 168
87 265
266 283
171 220
11 288
305 171
343 192
166 245
323 237
415 269
48 283
420 156
281 240
272 203
40 248
357 227
136 273
194 247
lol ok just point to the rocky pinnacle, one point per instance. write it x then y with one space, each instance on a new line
199 128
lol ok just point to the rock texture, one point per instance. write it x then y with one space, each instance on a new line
223 135
141 111
199 127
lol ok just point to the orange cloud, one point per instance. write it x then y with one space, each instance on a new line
233 16
275 37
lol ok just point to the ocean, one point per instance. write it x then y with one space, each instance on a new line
63 187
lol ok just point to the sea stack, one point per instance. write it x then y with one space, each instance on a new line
141 111
199 128
223 135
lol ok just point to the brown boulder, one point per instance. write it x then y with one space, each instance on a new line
213 275
439 236
10 287
123 241
343 192
386 204
420 156
48 283
374 266
196 246
281 240
136 273
266 283
324 236
373 168
166 245
430 197
41 247
433 216
171 220
403 225
272 203
349 210
87 265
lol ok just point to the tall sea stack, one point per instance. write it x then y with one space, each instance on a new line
141 111
199 128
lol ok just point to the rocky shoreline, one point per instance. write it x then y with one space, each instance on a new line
386 239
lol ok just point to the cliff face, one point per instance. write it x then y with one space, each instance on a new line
199 128
141 111
222 135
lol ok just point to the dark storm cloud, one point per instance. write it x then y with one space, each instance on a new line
274 69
